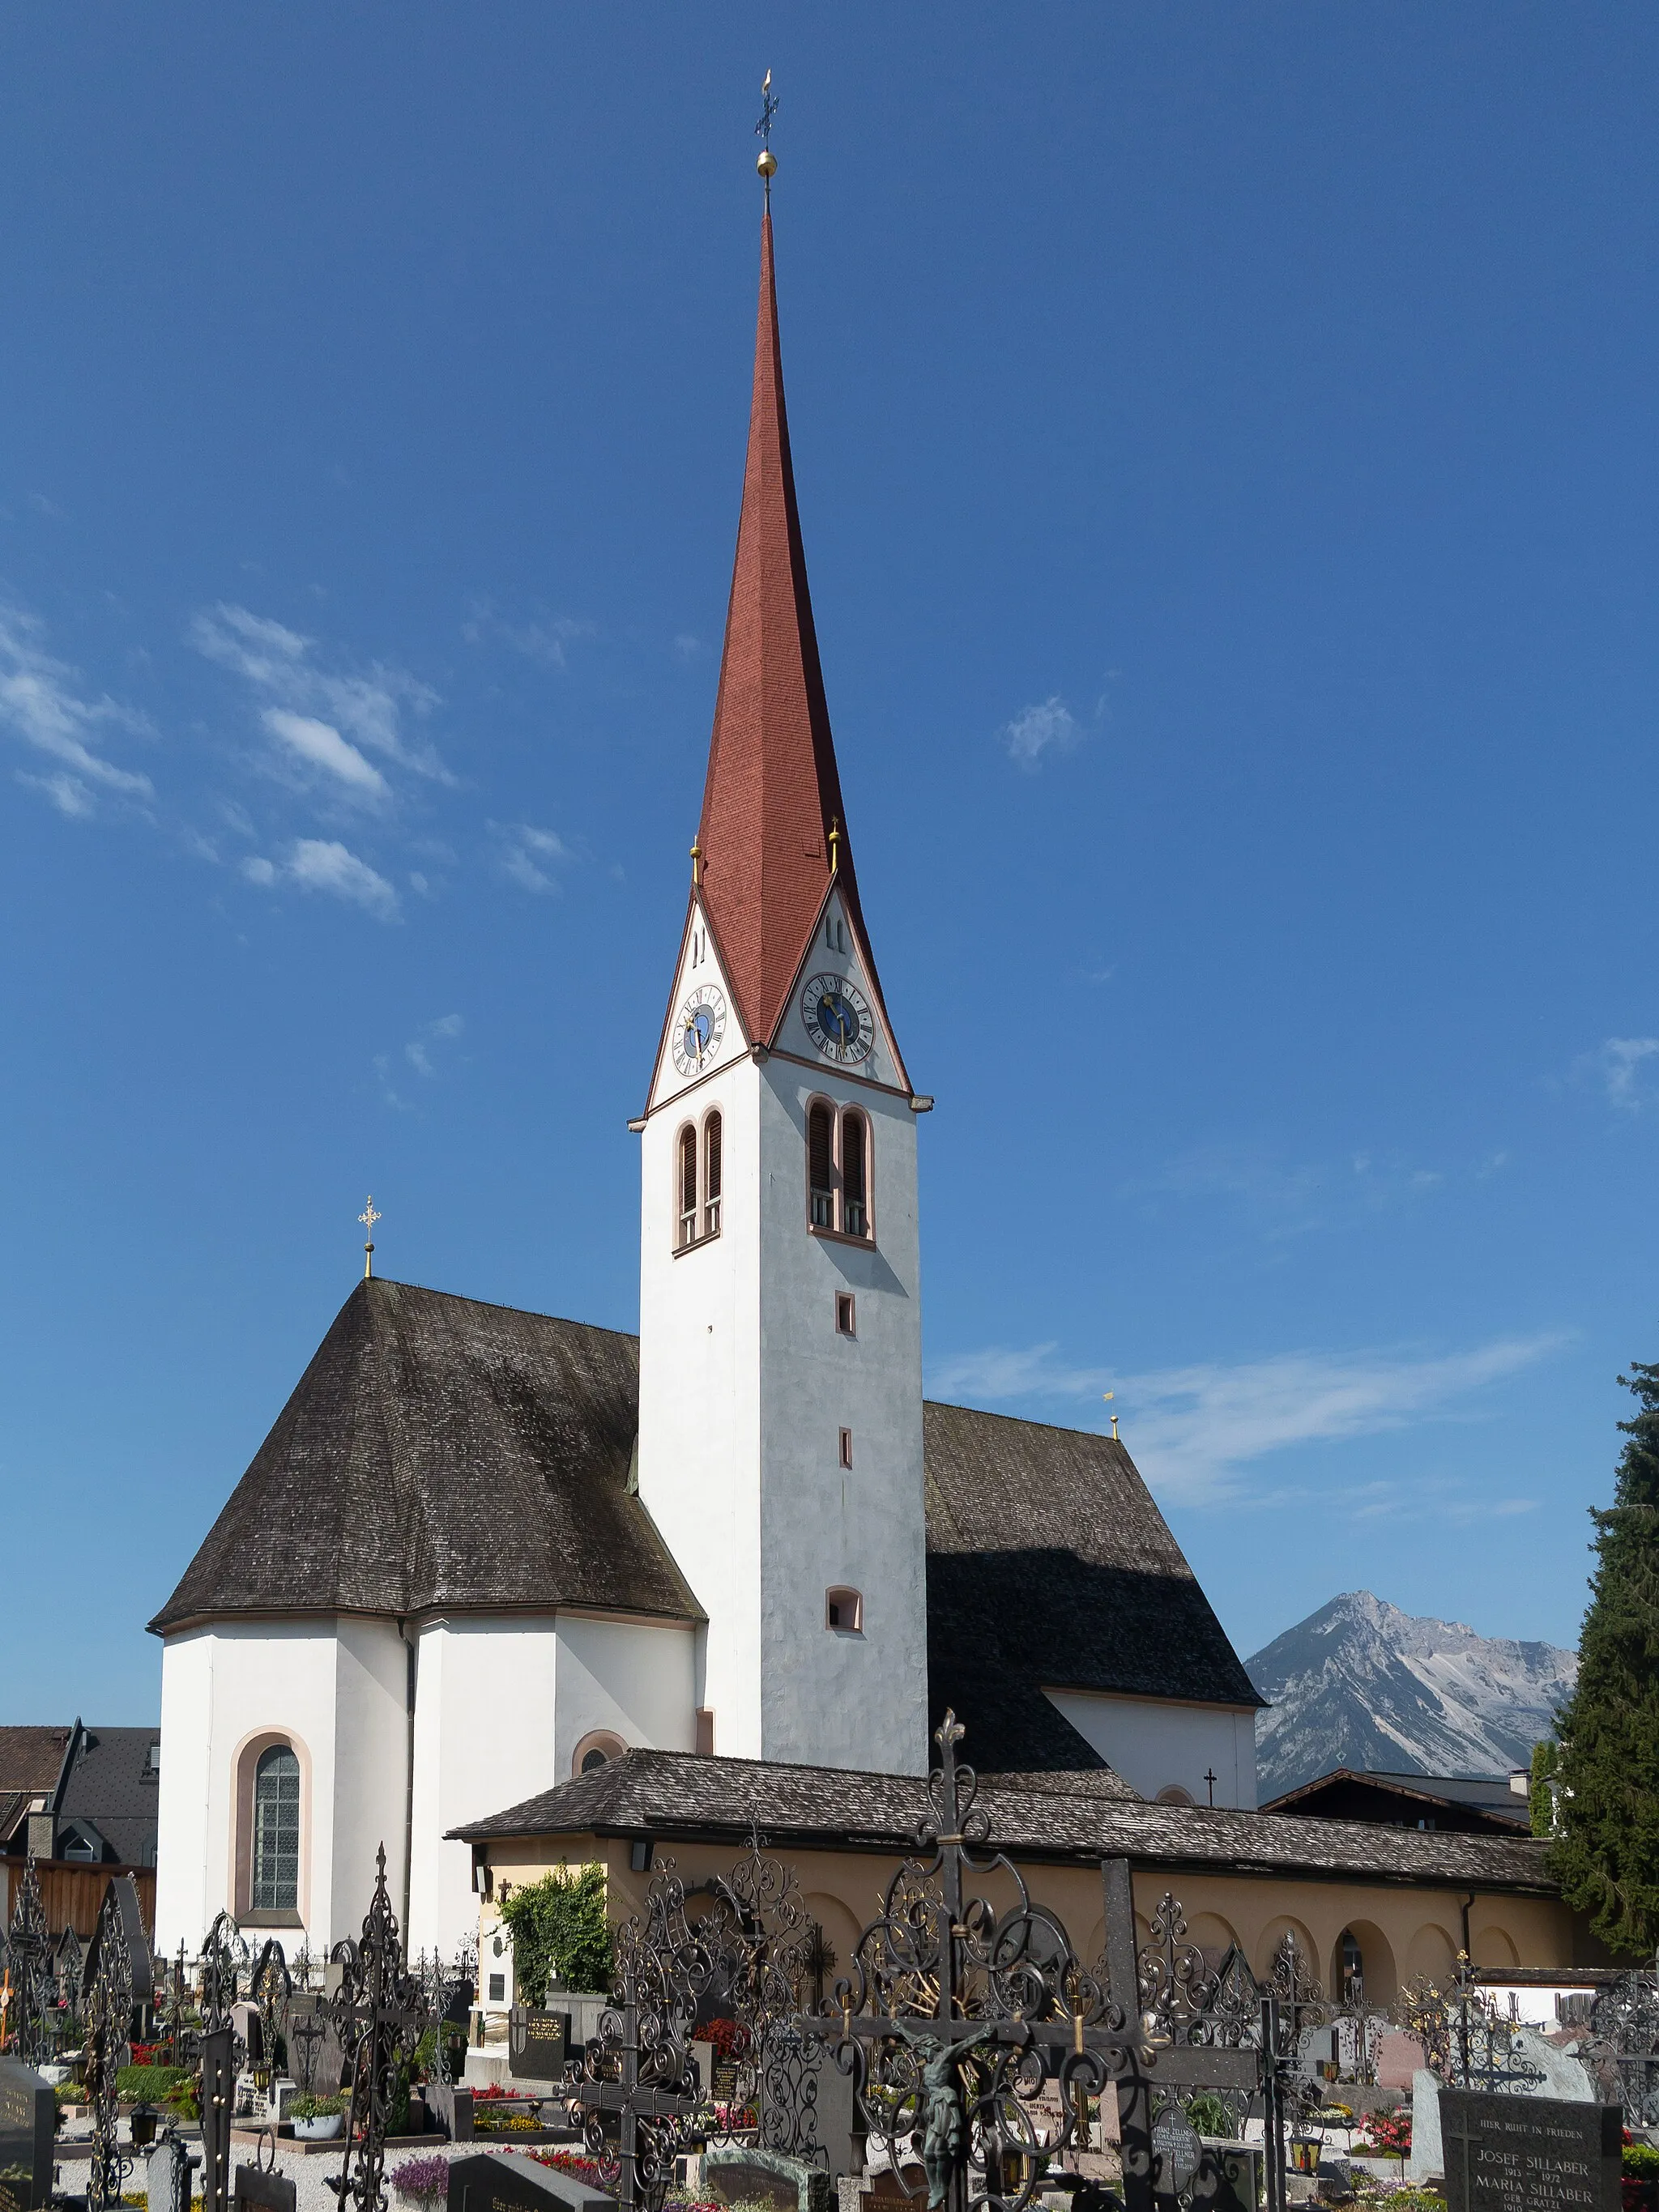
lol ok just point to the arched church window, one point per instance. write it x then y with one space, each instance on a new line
596 1749
855 1174
275 1883
688 1185
1351 1959
820 1166
713 1131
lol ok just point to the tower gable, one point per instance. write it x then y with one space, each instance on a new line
703 1033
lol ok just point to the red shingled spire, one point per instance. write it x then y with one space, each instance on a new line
773 793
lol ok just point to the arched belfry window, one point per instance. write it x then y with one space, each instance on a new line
838 1169
854 1180
274 1886
699 1166
712 1133
820 1166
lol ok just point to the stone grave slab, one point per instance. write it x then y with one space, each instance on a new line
497 2181
29 2114
1399 2057
537 2043
1177 2154
749 2175
816 2085
166 2176
262 2189
1507 2154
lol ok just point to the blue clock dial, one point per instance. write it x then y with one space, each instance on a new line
838 1019
699 1030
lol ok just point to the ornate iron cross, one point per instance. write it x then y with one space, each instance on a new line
379 2012
29 1963
117 1976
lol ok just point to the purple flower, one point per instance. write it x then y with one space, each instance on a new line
422 2178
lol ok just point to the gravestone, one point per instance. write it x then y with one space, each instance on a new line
537 2043
1231 2177
264 2188
496 2181
1399 2057
806 2110
749 2175
29 2114
451 2107
1177 2153
166 2176
1506 2154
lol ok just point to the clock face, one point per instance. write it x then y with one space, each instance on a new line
698 1029
838 1018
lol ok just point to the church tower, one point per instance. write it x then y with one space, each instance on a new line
780 1426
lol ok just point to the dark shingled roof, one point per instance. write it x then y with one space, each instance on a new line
1049 1566
439 1452
679 1793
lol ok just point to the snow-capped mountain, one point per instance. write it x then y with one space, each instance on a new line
1360 1684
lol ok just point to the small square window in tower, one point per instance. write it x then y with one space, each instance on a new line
843 1611
846 1313
846 1447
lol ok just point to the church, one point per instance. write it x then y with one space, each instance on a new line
483 1551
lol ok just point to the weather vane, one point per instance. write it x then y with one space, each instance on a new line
369 1218
1109 1396
768 163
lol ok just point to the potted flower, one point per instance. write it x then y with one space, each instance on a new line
422 2181
1641 2175
317 2119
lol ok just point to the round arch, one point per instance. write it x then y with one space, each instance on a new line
1267 1943
244 1766
1432 1955
1364 1940
597 1748
1493 1948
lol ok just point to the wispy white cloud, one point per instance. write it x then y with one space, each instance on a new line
320 745
323 864
526 855
1195 1429
42 704
1620 1065
1279 1200
422 1052
546 638
363 713
1049 727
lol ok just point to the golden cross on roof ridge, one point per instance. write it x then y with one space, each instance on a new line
369 1218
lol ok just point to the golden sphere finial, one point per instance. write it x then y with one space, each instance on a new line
767 163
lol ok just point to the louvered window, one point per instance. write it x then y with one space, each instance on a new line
820 1174
711 1179
854 1183
687 1186
275 1884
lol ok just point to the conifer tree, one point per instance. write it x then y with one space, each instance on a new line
1607 1854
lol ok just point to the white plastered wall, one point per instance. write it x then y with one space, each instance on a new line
1157 1742
502 1703
337 1691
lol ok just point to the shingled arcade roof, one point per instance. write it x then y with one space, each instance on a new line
1050 1567
436 1453
680 1795
440 1453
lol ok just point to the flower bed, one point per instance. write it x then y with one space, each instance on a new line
420 2179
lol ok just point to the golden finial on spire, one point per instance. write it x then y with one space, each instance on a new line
369 1218
835 844
696 864
1109 1395
768 163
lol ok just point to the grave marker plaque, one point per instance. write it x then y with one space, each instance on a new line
753 2176
1508 2153
28 2120
537 2043
1177 2153
496 2181
261 2189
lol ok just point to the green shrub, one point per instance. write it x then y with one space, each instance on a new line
558 1927
149 2085
1641 2161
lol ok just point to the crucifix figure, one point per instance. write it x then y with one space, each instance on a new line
944 2125
369 1218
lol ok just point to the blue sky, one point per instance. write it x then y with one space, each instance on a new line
1225 445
